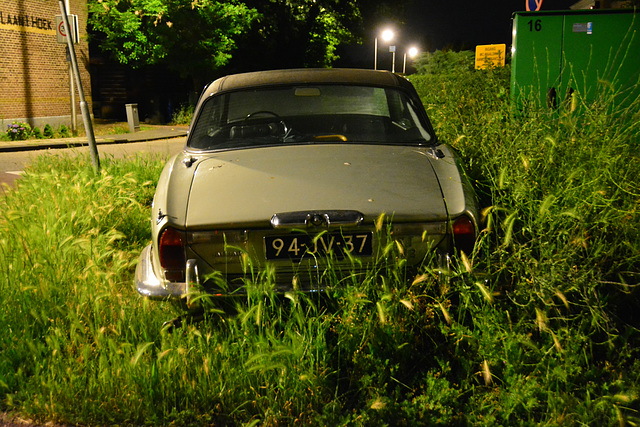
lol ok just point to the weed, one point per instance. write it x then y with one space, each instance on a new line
536 326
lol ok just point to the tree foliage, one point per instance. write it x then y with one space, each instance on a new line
191 36
297 33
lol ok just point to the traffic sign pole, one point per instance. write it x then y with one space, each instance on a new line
86 117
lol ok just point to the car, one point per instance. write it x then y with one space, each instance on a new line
286 173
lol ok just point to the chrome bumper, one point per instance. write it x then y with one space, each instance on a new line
149 285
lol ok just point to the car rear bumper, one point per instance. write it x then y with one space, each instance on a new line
150 285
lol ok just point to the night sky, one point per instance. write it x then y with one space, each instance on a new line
438 24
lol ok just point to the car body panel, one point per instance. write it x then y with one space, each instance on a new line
369 179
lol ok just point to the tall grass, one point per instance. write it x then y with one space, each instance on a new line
537 326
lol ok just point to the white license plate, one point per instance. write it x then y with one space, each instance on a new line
299 246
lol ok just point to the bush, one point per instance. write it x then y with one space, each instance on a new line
48 132
63 131
445 62
183 115
18 131
37 133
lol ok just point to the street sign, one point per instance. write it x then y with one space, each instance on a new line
73 23
533 5
490 55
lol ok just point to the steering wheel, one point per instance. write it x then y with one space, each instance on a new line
255 113
270 113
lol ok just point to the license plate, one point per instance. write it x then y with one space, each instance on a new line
299 246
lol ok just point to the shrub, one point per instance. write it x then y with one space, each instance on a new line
37 133
63 131
183 115
48 132
18 131
445 62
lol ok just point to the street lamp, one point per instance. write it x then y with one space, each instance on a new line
386 35
412 52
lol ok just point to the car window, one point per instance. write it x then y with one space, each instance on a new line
308 114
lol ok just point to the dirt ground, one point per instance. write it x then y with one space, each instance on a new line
8 420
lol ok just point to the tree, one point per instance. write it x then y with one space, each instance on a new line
193 37
296 33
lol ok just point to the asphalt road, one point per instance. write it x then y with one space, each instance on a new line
13 163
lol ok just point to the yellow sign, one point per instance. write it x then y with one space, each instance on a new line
25 23
490 55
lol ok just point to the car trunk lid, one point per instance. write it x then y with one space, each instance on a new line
245 188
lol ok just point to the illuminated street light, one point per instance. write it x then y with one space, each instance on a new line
387 36
412 52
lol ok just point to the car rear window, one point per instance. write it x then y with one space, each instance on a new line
309 114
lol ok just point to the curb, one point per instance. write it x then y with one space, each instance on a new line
148 135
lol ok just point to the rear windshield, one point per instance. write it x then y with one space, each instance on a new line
309 114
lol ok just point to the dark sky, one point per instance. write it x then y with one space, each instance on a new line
439 23
436 24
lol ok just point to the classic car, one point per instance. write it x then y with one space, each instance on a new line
289 171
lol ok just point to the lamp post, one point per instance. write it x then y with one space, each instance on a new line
412 52
386 35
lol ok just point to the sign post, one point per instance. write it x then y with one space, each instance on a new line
62 39
86 117
392 49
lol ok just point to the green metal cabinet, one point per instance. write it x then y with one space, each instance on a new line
575 57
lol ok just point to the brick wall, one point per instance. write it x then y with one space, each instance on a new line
34 72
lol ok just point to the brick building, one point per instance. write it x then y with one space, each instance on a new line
34 72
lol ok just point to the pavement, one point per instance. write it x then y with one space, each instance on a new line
149 134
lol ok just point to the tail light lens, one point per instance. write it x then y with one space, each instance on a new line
171 248
464 234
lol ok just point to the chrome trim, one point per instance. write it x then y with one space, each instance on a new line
317 219
192 280
150 285
222 237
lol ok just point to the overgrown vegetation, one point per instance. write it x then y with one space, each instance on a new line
19 131
537 326
183 115
442 62
62 131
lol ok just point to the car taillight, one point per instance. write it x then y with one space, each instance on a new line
464 234
172 254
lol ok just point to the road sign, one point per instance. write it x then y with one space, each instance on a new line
490 55
73 23
533 5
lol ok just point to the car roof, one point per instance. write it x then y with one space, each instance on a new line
307 76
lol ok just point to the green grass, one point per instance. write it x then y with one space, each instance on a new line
537 326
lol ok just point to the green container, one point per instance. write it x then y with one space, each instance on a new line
576 58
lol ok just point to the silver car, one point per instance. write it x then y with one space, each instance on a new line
289 172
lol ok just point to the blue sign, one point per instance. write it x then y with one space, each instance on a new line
533 5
